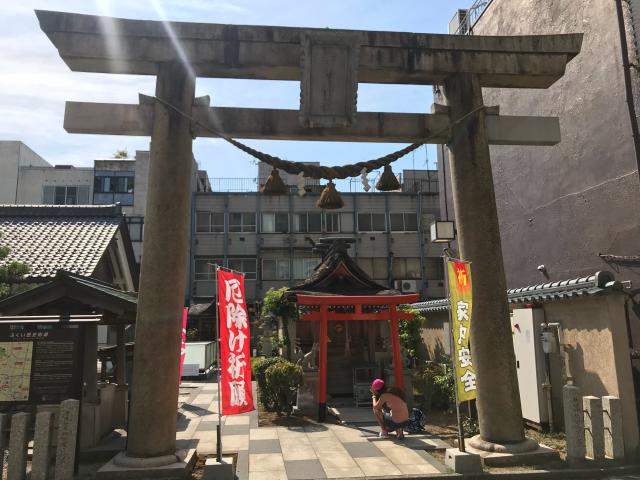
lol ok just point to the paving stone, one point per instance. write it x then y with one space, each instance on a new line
337 461
358 449
298 452
237 420
207 426
263 434
424 468
402 456
304 469
279 475
378 466
233 443
265 462
264 446
354 472
235 429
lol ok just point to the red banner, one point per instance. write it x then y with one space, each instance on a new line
235 369
183 344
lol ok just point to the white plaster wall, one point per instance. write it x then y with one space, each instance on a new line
14 154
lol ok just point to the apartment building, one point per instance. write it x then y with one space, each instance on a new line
28 179
270 237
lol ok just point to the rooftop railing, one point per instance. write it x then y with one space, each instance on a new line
350 185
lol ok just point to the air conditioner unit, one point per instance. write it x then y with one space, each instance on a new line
407 285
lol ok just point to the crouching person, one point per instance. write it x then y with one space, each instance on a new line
389 408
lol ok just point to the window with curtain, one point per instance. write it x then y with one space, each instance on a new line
274 222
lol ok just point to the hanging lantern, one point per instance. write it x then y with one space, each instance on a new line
330 199
274 184
388 181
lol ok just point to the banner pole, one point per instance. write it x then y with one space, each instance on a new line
461 446
219 426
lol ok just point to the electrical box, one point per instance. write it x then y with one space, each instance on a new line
525 325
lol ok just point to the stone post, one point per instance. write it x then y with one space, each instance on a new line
67 439
478 235
17 468
42 446
154 396
573 422
613 434
5 425
593 427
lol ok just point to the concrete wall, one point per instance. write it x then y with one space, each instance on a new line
595 330
32 180
15 154
560 206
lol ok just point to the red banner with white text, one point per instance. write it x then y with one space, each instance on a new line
235 370
183 343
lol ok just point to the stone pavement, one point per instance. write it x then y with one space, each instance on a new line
315 451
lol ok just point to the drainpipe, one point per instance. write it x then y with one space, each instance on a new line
627 83
421 243
225 243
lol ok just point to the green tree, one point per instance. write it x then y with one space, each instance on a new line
121 153
274 304
11 273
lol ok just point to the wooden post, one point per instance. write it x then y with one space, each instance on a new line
322 373
395 341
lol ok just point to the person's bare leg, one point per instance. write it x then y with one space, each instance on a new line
400 433
379 419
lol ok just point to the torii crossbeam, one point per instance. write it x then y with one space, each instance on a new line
329 65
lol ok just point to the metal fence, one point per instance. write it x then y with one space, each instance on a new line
467 18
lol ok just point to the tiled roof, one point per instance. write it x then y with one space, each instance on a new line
50 237
598 283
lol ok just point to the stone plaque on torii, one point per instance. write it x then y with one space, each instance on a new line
329 64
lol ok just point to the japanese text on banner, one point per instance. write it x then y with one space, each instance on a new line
461 301
235 370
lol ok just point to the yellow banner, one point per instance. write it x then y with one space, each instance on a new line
460 299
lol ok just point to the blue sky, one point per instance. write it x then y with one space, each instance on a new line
35 83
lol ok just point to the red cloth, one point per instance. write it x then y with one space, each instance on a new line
235 368
183 346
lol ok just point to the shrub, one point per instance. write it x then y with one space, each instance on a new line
436 386
470 426
283 381
258 371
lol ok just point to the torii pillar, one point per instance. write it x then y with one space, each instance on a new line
478 235
154 397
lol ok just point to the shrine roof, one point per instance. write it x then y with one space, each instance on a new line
58 237
597 284
339 274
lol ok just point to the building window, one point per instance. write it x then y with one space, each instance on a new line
244 265
307 222
331 223
275 223
113 186
205 268
371 222
242 222
65 195
275 269
376 268
403 222
406 268
136 228
303 267
209 222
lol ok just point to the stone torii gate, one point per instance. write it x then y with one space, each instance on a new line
329 64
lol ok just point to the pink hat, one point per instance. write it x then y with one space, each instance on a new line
378 384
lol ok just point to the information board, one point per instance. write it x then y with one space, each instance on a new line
40 363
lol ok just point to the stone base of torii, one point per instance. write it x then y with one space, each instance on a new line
461 64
